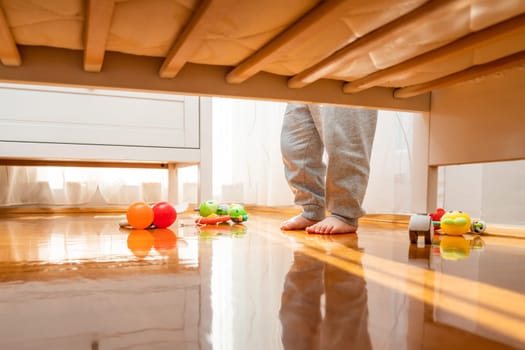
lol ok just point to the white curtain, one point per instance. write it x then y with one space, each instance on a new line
71 186
247 163
248 166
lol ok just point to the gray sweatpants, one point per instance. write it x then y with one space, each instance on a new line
339 184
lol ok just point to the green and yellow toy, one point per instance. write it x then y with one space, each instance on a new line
211 212
455 223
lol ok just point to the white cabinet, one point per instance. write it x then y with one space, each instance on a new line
114 120
78 125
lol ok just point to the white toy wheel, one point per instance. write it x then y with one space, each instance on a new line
419 223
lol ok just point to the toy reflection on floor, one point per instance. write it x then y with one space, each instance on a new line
446 247
142 242
456 248
208 232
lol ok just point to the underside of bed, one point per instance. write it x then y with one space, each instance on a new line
379 54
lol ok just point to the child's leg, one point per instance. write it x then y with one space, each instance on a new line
302 152
348 136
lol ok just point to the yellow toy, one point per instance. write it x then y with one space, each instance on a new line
455 223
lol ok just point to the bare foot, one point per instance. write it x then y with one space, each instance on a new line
331 226
298 222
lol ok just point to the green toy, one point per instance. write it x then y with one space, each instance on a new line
215 212
238 213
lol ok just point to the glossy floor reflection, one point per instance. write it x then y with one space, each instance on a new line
81 282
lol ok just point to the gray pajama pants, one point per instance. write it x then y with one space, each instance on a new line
339 184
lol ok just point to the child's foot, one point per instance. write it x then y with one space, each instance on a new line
331 226
298 222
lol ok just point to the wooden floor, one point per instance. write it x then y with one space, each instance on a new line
81 282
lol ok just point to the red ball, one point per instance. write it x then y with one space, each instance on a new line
164 214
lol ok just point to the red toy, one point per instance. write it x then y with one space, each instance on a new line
436 217
212 219
164 214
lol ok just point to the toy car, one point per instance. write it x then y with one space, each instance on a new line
421 225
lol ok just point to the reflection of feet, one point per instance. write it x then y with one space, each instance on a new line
326 243
298 222
331 226
331 243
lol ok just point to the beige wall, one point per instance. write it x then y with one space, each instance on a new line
478 121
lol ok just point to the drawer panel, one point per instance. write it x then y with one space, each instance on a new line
80 116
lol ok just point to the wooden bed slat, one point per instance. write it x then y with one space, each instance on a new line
98 22
294 36
193 35
374 40
9 54
465 75
470 41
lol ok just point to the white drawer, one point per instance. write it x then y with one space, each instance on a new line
109 118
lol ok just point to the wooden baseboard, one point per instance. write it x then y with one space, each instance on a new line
14 211
392 218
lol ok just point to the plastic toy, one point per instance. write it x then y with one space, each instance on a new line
436 218
478 226
455 223
211 213
425 225
212 219
238 213
139 215
164 214
223 209
208 207
420 225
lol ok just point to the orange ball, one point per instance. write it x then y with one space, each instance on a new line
139 215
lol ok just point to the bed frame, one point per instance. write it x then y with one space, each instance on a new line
458 61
